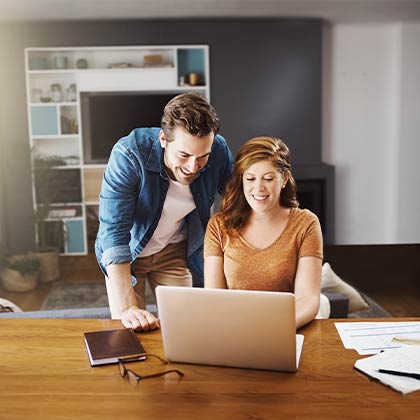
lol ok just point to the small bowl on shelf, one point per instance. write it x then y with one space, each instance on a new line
45 99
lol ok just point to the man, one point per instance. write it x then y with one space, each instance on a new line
155 203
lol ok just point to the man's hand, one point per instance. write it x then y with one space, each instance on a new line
139 319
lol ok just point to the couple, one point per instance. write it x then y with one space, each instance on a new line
154 213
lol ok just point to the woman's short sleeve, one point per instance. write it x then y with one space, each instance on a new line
213 239
312 239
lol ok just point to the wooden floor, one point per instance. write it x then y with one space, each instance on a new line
398 303
71 269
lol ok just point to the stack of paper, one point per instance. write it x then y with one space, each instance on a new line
397 358
374 337
403 362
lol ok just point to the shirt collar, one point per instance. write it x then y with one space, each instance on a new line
155 159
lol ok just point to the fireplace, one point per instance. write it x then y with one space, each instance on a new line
315 191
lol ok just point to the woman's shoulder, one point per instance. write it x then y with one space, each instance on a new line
304 216
216 221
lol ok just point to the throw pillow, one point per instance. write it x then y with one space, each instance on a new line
324 307
331 283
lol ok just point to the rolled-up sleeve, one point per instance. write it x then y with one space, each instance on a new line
117 203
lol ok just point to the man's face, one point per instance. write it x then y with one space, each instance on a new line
185 155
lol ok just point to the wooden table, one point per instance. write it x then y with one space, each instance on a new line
45 374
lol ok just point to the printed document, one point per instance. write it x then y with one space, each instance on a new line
374 337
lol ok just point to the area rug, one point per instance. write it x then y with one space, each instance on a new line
92 294
374 311
69 295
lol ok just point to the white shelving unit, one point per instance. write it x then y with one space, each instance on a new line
55 79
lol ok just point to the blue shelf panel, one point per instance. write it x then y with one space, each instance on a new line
75 236
44 120
191 61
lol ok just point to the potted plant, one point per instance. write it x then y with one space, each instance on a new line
50 238
19 273
50 233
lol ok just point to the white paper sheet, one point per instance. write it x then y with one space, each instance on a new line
374 337
371 365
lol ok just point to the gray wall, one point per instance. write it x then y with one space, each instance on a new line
265 80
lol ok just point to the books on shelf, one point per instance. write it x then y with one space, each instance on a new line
397 368
105 347
58 213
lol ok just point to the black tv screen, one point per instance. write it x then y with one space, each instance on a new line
108 116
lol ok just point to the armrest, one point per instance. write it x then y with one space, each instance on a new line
339 305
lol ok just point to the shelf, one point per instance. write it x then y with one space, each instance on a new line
74 103
64 204
95 69
190 88
66 167
62 130
85 59
94 165
55 136
52 219
52 71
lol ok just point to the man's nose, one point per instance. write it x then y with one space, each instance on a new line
193 165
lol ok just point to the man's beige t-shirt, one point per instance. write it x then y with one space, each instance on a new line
272 268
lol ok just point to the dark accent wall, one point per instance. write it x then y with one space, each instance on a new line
265 80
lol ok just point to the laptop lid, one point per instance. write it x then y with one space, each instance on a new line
238 328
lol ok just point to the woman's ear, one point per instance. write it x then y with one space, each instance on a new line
286 176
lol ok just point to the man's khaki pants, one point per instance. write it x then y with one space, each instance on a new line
167 267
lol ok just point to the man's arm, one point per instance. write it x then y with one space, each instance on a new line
123 302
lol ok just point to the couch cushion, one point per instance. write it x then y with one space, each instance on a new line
331 283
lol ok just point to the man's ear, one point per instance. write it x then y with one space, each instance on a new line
162 139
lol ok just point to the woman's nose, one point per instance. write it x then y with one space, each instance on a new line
259 185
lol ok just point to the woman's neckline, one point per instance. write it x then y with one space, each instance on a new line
249 245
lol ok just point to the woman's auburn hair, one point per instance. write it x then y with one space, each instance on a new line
235 210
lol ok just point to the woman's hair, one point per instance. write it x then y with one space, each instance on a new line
191 112
235 210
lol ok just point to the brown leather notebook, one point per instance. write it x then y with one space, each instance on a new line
106 347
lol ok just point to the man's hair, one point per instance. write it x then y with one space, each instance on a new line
193 113
235 210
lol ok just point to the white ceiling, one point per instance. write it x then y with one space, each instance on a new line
332 10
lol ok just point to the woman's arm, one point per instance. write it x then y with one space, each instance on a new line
214 276
307 289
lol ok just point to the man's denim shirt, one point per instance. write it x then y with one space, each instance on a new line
134 189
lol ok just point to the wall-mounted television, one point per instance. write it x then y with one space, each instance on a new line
108 116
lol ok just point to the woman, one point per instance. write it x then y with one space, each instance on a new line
260 239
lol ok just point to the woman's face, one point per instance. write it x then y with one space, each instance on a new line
262 184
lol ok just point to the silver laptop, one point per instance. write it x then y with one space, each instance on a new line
237 328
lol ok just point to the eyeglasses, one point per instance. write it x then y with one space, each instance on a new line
134 378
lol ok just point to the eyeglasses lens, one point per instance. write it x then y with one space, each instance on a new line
132 379
122 368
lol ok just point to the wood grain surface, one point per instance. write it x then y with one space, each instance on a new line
45 374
